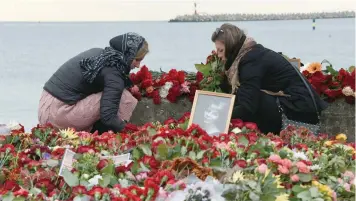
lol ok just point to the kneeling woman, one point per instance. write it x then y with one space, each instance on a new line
89 91
264 82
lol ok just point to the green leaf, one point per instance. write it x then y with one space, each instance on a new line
71 179
109 169
19 199
81 198
215 162
243 140
183 151
254 197
146 149
105 181
314 192
204 69
151 131
331 70
162 151
8 197
84 183
136 154
200 154
305 177
192 155
305 195
184 125
297 189
52 163
144 168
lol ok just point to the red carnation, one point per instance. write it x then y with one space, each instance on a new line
241 163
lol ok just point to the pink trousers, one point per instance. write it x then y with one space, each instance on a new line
83 114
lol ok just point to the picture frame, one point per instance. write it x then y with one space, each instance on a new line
212 111
295 62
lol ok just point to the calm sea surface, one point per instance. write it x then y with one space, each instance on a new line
31 52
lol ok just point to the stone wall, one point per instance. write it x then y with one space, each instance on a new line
339 117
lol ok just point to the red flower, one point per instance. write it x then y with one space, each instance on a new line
252 137
11 185
241 163
173 93
261 161
232 154
151 188
96 190
156 97
8 147
181 77
146 83
170 120
85 149
237 123
79 190
199 77
102 163
21 192
251 125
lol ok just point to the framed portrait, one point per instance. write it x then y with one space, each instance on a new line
295 62
212 111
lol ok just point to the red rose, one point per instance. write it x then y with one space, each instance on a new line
146 83
261 161
11 185
84 149
199 77
102 163
96 189
250 125
237 123
252 137
241 163
232 154
333 93
21 192
170 120
79 190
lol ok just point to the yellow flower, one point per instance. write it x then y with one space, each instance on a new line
69 133
278 181
341 137
328 143
282 197
238 176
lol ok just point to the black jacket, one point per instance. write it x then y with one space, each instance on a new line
262 68
68 85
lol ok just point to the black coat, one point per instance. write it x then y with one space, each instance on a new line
68 85
262 68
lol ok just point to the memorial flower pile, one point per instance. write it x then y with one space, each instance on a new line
170 161
329 83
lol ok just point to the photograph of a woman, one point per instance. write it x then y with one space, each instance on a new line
211 111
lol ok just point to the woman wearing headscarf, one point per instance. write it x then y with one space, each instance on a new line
266 85
89 91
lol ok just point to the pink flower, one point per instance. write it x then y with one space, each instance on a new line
262 168
282 169
302 167
350 175
294 178
347 187
185 87
135 89
286 163
275 158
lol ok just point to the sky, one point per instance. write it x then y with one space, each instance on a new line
152 10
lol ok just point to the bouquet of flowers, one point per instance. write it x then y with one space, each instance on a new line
213 72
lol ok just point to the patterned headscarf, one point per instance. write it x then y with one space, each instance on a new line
120 54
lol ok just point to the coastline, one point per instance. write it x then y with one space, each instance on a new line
261 17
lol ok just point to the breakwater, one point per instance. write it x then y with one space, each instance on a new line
261 17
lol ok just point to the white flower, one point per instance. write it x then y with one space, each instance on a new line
315 167
94 180
12 125
303 68
163 91
299 155
347 91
